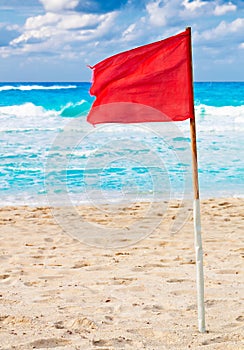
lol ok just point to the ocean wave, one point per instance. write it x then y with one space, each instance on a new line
208 117
224 111
226 118
75 109
36 87
26 110
29 109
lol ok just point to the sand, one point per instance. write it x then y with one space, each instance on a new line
59 293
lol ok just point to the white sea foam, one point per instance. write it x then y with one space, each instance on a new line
215 119
209 118
27 117
226 118
29 109
224 111
71 104
36 87
26 110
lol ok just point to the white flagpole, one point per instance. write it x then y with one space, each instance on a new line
197 222
197 233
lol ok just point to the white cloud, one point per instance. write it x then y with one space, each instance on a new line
63 28
76 21
130 30
162 13
41 21
226 27
221 10
223 30
59 5
241 46
134 31
157 14
193 5
67 21
175 12
13 27
237 25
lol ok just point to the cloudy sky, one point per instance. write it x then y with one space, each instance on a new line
55 40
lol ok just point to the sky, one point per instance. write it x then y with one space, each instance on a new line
55 40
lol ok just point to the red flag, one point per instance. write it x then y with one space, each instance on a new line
151 83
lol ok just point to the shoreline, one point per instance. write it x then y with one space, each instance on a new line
114 201
57 292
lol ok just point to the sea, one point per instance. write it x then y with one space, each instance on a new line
50 154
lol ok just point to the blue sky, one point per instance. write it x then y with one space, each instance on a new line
55 40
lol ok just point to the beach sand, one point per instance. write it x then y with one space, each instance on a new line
59 293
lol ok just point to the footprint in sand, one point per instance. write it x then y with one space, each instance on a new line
14 320
154 308
78 325
115 342
80 264
175 280
123 280
225 204
82 324
221 339
240 318
4 276
47 343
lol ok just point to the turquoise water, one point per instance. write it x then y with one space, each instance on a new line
50 153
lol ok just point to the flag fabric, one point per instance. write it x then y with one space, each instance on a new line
150 83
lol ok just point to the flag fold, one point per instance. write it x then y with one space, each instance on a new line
151 83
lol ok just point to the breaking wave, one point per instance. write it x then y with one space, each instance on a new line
209 118
36 87
224 111
201 110
75 109
29 109
25 110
